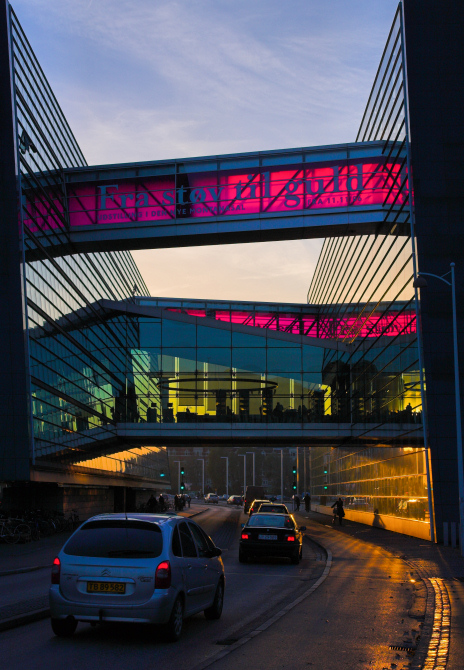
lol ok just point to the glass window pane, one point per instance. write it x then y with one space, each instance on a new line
312 358
178 334
243 340
249 359
284 360
214 356
150 334
213 337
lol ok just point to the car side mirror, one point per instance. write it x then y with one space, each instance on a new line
302 528
215 552
242 525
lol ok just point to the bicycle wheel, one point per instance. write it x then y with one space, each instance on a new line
24 532
10 536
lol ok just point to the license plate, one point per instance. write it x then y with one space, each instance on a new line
106 587
267 537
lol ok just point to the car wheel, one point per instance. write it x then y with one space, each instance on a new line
295 557
215 611
64 627
176 621
242 557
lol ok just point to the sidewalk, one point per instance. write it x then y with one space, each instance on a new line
427 561
21 559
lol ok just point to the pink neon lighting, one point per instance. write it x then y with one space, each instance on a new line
341 185
349 327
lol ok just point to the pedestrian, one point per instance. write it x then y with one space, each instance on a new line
161 503
307 502
296 498
188 499
338 511
151 504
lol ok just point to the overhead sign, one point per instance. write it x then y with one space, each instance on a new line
305 188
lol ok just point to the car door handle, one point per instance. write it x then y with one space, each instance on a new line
189 567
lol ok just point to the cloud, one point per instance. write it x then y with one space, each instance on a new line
160 79
268 271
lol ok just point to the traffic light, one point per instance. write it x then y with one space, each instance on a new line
294 485
294 469
162 473
325 488
325 471
182 486
182 471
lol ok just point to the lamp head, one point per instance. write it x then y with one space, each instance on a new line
420 282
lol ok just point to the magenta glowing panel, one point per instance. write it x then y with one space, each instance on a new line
346 328
339 186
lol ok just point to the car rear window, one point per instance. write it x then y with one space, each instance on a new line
116 539
275 509
271 521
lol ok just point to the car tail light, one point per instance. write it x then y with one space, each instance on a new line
291 538
163 575
245 536
56 569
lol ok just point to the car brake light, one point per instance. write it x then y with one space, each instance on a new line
291 538
245 536
56 569
163 575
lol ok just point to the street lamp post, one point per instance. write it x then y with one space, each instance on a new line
244 473
253 454
203 475
420 282
178 479
227 474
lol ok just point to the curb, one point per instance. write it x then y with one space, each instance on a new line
15 622
18 571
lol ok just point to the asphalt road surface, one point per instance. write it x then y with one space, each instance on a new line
349 621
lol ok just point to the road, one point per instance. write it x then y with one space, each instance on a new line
348 622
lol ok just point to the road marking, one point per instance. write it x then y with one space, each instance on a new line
225 652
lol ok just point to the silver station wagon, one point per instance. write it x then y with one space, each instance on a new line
141 568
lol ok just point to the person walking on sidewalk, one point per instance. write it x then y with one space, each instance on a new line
338 511
307 502
296 499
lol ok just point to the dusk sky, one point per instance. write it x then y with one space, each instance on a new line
142 80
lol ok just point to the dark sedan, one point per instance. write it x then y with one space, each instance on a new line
271 535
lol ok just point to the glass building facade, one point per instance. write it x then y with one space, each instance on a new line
376 272
101 377
76 358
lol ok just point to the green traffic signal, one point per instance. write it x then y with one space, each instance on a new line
182 486
182 472
294 486
162 473
294 469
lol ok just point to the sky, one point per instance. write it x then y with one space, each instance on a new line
142 80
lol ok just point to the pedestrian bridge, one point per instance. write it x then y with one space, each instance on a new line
317 192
